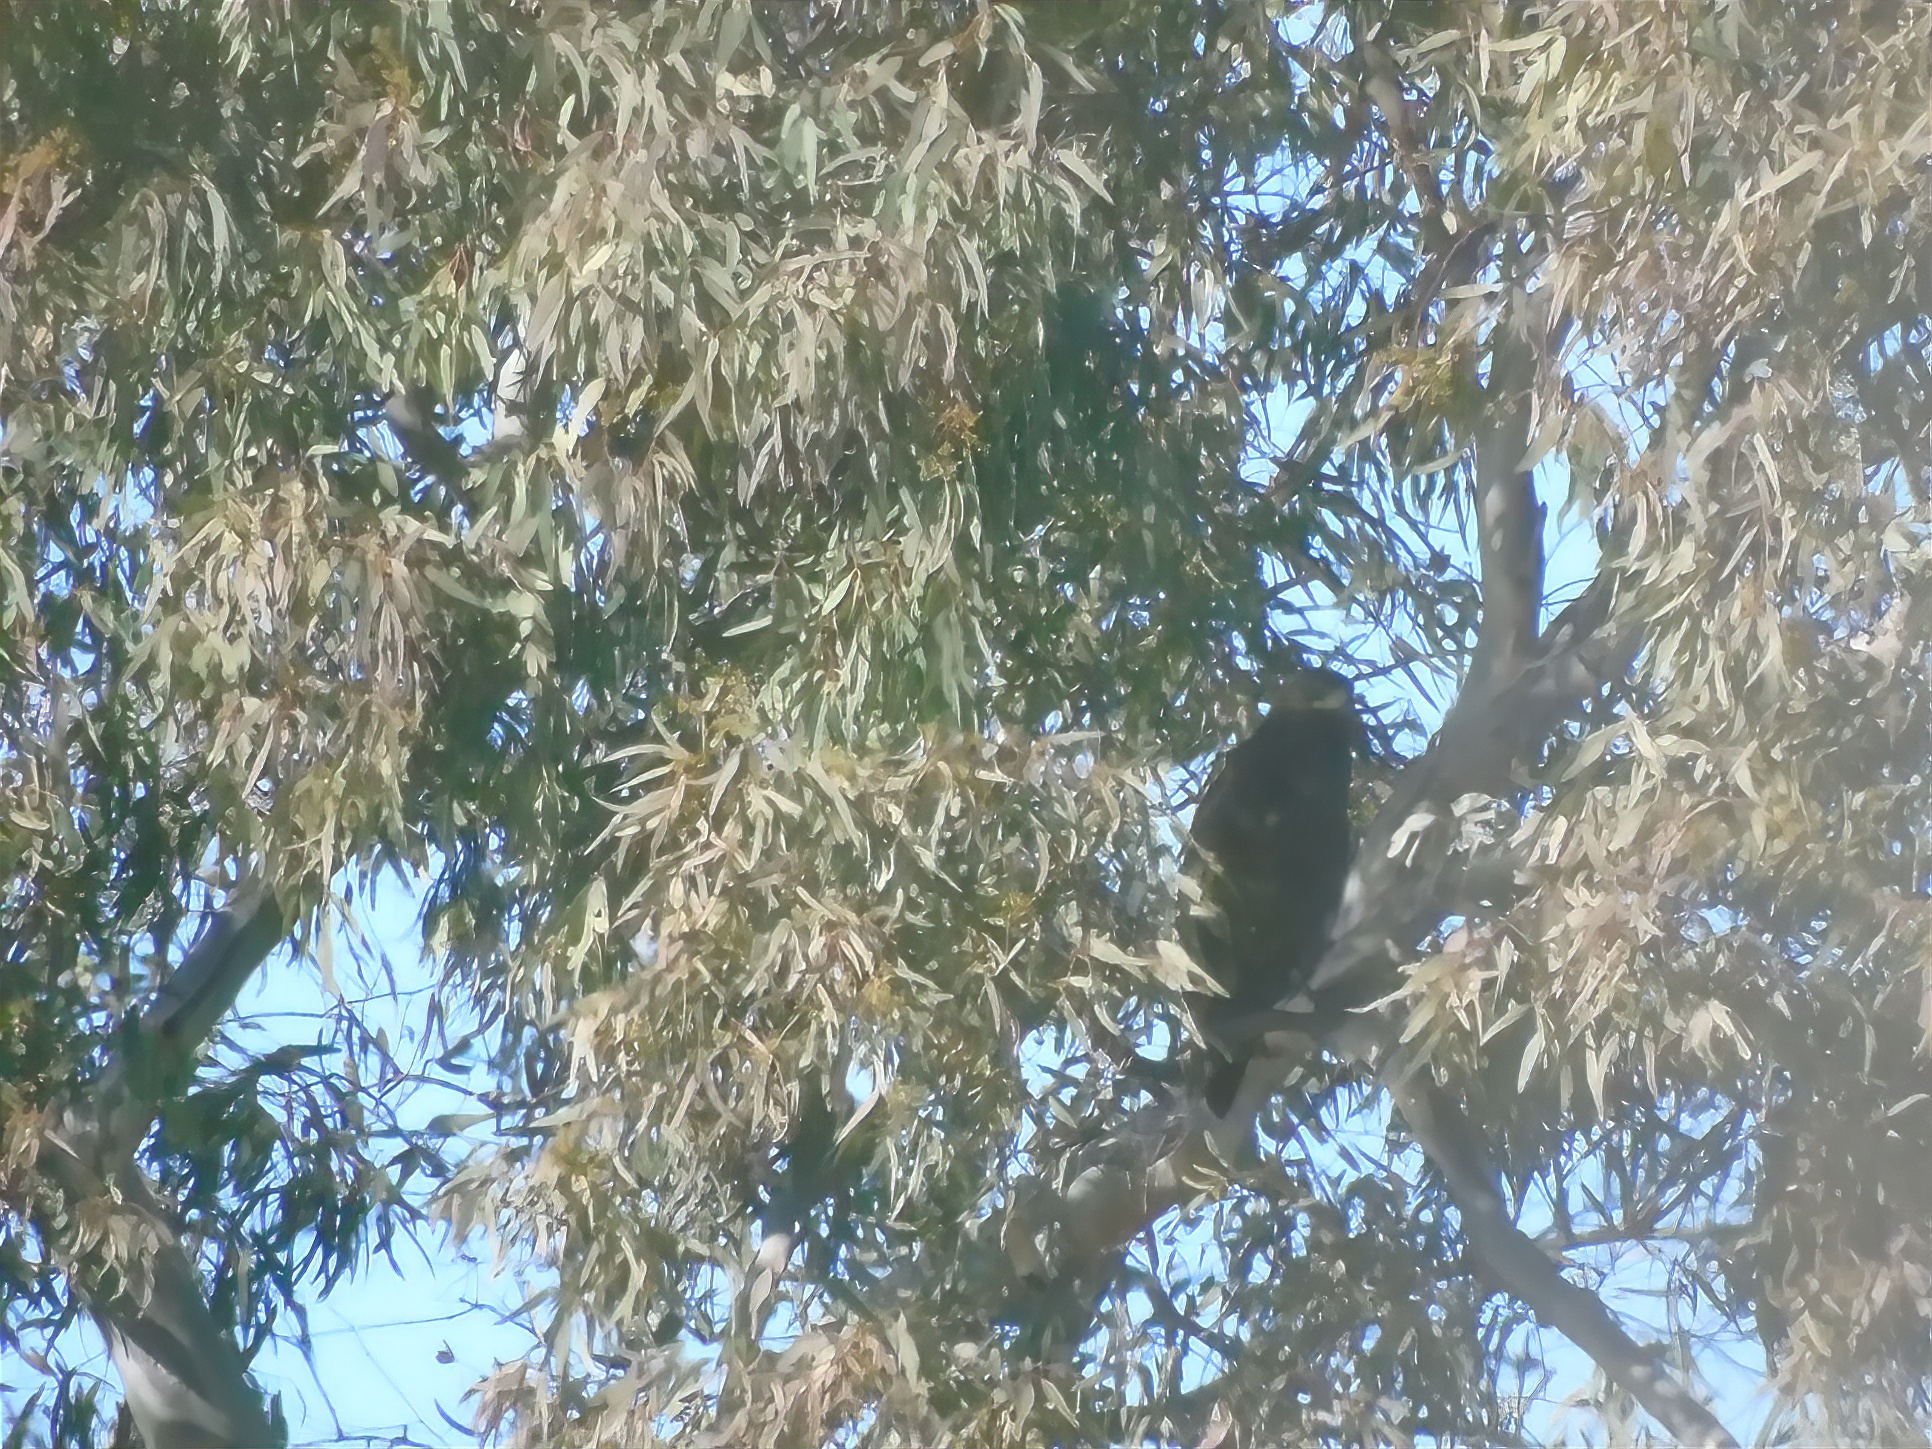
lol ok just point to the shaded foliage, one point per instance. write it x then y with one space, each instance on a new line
768 508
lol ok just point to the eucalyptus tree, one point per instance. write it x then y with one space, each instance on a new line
767 509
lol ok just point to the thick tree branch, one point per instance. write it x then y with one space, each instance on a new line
183 1380
1509 525
1448 1139
202 989
1515 695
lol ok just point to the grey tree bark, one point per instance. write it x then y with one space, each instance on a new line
183 1380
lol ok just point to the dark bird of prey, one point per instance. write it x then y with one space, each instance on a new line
1271 836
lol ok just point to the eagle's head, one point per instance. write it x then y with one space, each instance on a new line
1311 689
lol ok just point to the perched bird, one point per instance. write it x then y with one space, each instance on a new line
1271 839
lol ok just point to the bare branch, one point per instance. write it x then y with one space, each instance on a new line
200 991
1509 522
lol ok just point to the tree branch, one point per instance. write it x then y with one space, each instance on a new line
200 991
182 1378
1448 1139
1515 695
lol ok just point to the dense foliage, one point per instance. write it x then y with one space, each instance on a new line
769 507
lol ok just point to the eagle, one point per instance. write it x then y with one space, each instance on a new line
1271 856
